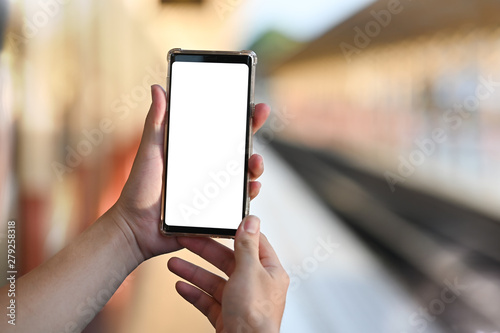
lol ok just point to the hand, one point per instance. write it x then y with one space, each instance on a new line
253 299
137 211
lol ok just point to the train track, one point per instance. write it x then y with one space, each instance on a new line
423 240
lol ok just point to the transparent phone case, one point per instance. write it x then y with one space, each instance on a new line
253 56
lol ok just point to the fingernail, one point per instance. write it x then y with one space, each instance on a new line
252 225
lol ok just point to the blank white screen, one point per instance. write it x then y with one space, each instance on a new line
206 144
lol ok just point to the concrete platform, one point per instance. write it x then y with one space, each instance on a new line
337 285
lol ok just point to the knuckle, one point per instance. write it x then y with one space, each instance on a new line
286 278
246 243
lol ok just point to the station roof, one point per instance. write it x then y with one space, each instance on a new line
415 18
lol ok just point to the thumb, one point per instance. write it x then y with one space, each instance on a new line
155 121
246 242
151 147
149 158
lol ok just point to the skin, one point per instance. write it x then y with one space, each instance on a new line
66 292
253 299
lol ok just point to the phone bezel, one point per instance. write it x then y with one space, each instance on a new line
245 57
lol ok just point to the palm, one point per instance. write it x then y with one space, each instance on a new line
141 196
140 201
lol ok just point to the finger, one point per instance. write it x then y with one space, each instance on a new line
203 279
246 243
255 166
254 189
204 303
270 261
154 128
151 147
267 255
212 251
260 115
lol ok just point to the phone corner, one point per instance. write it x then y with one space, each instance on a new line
252 55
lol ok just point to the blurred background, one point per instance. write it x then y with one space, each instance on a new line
382 185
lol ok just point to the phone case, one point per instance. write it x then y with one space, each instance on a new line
253 56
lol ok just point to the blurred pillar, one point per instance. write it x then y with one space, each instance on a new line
32 216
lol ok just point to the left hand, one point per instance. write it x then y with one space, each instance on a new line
137 211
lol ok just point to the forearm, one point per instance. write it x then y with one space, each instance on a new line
66 292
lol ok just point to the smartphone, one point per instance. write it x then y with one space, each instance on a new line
208 141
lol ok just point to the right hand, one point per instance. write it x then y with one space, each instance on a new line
253 299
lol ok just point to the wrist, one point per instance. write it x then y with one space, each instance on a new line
264 325
116 224
270 328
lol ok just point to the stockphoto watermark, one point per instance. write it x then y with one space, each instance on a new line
91 138
91 306
46 11
324 249
421 318
278 120
11 272
452 120
225 7
261 310
202 196
218 180
363 36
